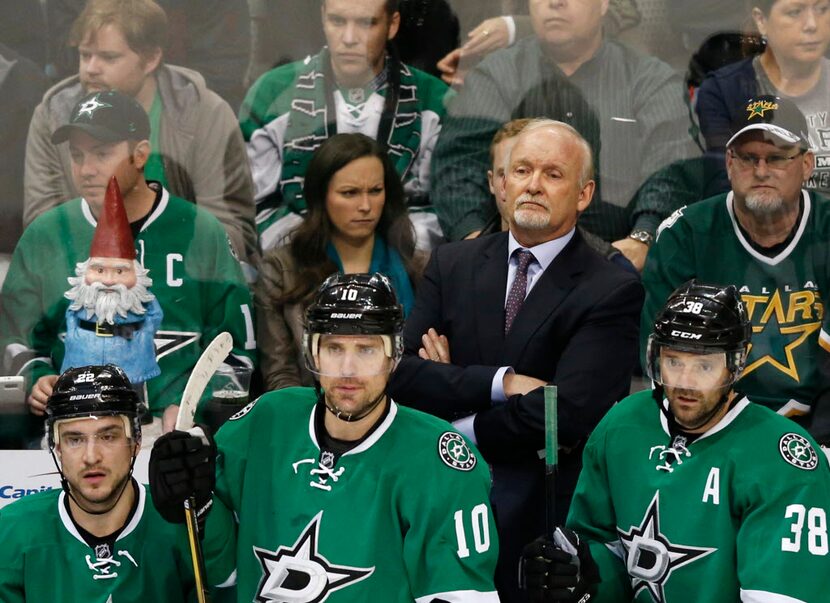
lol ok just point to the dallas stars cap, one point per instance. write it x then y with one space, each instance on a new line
108 117
779 118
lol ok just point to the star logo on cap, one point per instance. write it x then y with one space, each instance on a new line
760 107
90 107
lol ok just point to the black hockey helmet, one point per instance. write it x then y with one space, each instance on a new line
354 304
703 319
92 391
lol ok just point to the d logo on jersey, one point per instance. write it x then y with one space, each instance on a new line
300 574
650 558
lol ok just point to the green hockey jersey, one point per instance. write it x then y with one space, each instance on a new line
739 514
196 279
45 559
784 295
402 517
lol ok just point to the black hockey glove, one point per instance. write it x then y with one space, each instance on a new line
561 570
183 464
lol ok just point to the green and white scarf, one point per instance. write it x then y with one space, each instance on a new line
313 119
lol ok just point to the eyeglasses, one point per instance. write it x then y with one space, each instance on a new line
774 161
107 439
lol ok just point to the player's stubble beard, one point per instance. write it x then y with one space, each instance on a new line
708 406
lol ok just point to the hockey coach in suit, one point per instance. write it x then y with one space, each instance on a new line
497 318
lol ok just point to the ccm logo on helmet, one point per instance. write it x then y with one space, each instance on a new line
348 315
685 335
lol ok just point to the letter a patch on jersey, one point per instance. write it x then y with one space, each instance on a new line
650 558
300 574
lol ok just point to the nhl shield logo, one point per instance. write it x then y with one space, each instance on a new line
798 451
455 453
102 551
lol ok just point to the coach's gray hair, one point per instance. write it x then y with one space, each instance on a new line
542 123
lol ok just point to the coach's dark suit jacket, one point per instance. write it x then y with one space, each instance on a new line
577 330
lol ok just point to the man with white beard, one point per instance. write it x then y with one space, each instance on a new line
498 317
197 280
113 316
769 237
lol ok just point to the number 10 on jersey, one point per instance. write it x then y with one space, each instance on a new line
476 523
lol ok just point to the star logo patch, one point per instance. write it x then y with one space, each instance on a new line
88 108
798 451
650 558
300 574
759 108
455 453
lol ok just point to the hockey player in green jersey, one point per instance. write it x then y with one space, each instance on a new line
197 281
769 238
98 539
341 495
714 498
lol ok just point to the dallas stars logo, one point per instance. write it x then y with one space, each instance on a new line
89 107
167 342
760 107
651 558
787 323
455 453
300 574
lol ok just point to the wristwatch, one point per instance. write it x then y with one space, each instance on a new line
643 236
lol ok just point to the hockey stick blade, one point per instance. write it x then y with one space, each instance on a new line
208 362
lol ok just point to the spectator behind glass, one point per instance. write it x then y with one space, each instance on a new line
639 109
355 83
792 66
356 222
502 31
198 153
208 36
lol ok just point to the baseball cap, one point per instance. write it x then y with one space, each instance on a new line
106 116
780 118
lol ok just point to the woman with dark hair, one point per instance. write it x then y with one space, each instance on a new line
356 222
792 65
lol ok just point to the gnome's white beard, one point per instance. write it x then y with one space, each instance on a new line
105 301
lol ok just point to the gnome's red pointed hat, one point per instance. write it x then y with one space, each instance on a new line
113 237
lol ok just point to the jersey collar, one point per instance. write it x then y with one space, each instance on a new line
727 419
368 442
165 198
128 529
772 261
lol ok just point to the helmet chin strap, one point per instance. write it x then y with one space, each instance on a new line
351 417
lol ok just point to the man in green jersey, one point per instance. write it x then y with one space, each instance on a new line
97 538
196 279
713 498
341 495
769 237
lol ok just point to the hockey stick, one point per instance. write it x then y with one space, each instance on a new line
551 458
208 362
